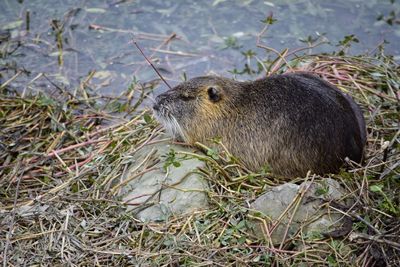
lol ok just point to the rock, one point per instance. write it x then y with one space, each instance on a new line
161 192
310 216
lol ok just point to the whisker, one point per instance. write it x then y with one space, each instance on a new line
178 128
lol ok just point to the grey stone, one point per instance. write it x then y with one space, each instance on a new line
308 215
160 193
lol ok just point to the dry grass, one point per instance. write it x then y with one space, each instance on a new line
62 162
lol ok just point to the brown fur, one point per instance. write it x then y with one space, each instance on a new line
292 122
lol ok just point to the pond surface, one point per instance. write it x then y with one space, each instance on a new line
68 40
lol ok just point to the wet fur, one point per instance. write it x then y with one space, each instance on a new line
292 122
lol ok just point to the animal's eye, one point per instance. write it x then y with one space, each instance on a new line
213 94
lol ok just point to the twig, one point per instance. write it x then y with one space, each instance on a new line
65 149
10 80
259 44
285 53
311 46
166 41
355 235
151 64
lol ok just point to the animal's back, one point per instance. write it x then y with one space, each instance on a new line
307 123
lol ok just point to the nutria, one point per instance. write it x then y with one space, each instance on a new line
291 122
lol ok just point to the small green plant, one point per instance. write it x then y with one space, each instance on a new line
361 226
386 204
46 101
331 259
171 159
391 18
231 42
269 20
346 43
249 53
314 235
322 189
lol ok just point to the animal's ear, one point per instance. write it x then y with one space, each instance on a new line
214 93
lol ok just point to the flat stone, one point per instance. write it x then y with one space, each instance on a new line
163 192
310 216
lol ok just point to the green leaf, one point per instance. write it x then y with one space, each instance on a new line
45 101
74 188
147 118
376 188
46 180
241 224
242 240
331 260
176 164
348 39
171 160
213 153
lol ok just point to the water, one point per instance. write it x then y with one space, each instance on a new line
211 37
